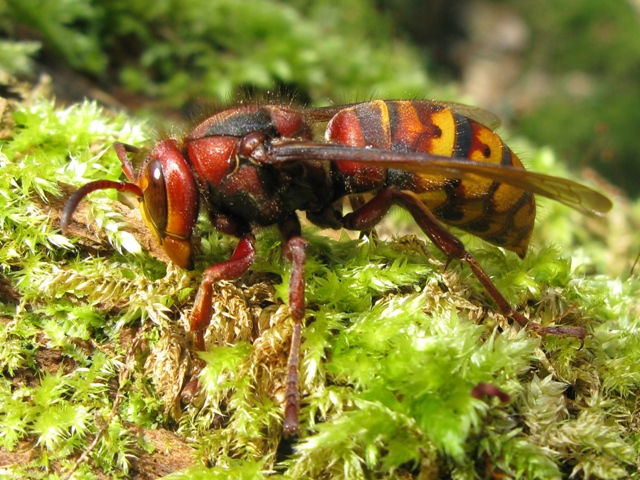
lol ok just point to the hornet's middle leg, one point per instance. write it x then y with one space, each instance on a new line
294 251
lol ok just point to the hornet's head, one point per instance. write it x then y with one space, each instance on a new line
167 192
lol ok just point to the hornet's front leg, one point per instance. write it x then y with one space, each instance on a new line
239 262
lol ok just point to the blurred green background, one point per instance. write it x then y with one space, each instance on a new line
566 74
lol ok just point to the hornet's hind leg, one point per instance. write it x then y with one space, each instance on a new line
371 213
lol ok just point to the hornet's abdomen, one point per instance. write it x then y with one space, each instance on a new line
496 212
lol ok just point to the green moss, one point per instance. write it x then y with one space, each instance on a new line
15 57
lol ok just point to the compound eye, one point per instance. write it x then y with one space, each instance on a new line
155 196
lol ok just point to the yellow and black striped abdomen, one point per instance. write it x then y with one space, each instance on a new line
496 212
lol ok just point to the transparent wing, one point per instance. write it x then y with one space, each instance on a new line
485 117
568 192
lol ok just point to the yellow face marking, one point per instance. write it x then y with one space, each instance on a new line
146 218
